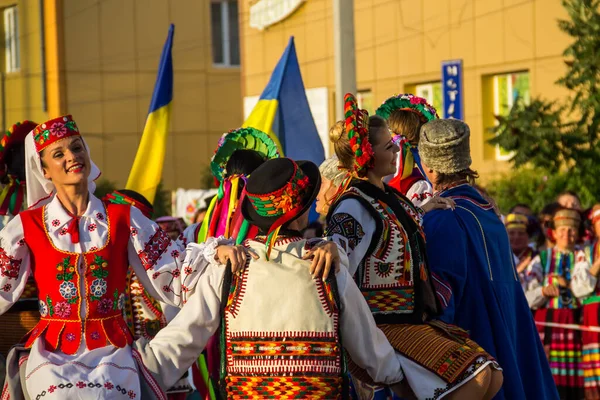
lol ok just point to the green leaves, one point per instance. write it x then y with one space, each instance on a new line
561 139
100 273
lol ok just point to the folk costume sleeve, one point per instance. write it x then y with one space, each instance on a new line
420 193
14 264
351 227
448 262
583 283
179 344
534 281
168 269
366 344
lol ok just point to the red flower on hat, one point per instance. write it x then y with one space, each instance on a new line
58 129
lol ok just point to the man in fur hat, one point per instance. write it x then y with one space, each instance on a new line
470 255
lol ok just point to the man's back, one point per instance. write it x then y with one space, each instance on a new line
469 252
281 328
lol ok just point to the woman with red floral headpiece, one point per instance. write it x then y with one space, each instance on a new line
78 250
381 231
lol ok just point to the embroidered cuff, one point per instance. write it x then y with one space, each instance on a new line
210 249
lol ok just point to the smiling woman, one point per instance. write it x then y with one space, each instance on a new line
78 250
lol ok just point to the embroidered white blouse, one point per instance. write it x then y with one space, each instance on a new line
168 275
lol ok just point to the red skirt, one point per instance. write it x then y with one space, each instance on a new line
563 349
591 352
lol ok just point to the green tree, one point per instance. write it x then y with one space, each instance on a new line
560 140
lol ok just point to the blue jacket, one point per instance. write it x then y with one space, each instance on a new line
469 253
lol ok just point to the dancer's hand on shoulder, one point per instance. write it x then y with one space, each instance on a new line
237 255
324 256
438 203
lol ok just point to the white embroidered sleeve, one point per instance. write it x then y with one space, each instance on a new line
167 268
366 344
14 264
177 346
420 193
352 227
534 278
583 283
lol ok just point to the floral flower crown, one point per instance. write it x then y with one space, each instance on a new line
357 128
54 130
408 102
242 138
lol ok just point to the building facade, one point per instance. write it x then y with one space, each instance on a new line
508 48
99 62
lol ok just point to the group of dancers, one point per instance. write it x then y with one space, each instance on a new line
412 293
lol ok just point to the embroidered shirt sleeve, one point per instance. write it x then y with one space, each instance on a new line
533 283
159 262
420 193
352 227
14 264
583 283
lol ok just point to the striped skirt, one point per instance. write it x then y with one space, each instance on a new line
563 349
436 358
591 352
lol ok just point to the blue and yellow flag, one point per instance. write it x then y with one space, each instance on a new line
283 112
148 165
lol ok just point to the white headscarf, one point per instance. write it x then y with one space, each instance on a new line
40 189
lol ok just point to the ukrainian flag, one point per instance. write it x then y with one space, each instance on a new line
283 112
147 168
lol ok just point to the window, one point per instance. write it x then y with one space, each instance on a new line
432 92
507 88
225 32
11 39
364 98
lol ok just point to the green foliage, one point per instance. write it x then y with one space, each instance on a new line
536 187
104 187
556 145
162 202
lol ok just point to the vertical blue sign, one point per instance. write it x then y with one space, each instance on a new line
452 87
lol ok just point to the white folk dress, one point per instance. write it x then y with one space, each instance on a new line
169 274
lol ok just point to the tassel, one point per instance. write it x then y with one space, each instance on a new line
271 239
233 197
202 234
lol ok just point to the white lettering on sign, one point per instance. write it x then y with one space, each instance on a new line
265 13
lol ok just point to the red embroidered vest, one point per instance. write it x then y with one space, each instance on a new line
59 282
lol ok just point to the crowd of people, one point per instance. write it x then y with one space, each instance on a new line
415 286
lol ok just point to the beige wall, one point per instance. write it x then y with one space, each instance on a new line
23 89
111 54
400 43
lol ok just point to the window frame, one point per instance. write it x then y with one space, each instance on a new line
12 53
225 36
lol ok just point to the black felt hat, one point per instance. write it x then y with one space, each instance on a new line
279 191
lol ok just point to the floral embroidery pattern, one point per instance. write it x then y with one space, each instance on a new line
134 232
7 287
175 254
188 270
9 266
70 337
92 227
108 386
100 216
121 301
154 249
62 309
21 242
66 273
104 306
98 289
93 248
43 308
68 291
95 335
63 232
55 223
